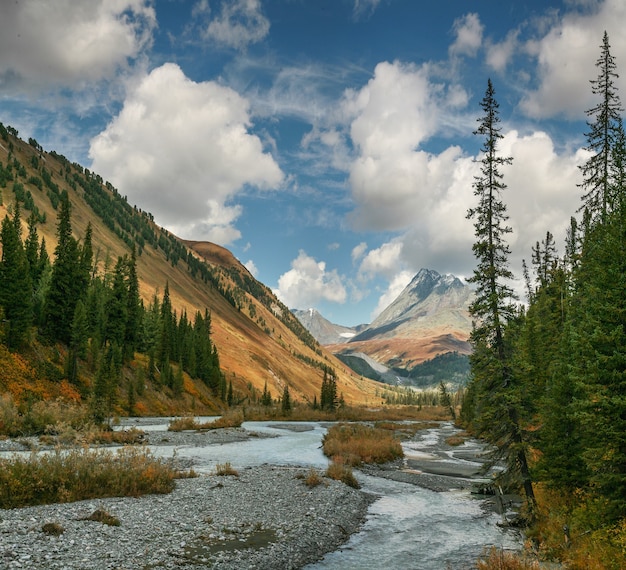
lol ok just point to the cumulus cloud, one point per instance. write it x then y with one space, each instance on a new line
499 54
237 24
566 57
358 251
69 44
385 260
182 151
469 36
251 267
309 282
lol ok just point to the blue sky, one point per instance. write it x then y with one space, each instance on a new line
327 143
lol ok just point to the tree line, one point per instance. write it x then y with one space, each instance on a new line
548 380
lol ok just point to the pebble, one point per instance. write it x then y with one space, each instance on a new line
267 518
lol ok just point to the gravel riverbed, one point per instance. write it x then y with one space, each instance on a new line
264 518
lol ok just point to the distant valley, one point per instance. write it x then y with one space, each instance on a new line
420 338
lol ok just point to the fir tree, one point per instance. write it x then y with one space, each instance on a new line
496 416
286 401
605 130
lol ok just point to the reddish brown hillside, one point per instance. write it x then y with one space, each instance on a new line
258 339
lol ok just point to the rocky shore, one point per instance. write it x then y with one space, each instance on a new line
264 518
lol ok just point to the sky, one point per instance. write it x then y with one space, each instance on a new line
329 144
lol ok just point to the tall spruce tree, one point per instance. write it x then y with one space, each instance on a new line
66 282
496 397
16 297
604 132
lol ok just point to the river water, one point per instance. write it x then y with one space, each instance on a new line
407 527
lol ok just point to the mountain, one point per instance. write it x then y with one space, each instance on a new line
430 317
258 339
323 330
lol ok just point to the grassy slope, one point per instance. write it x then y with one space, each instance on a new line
249 356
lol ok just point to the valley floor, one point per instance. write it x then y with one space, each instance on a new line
265 518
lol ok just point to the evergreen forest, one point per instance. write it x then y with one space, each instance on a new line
548 377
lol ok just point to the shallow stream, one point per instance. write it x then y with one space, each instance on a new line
408 526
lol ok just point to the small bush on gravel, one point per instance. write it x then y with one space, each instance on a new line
226 469
496 559
66 476
52 529
313 478
102 517
341 472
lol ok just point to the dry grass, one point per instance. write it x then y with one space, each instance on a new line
304 413
497 559
358 443
457 439
74 475
339 471
313 478
43 417
226 470
230 419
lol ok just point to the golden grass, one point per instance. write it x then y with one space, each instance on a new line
102 517
586 547
497 559
358 443
232 418
226 470
303 412
339 471
313 478
74 475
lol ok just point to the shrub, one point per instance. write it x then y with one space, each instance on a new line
229 419
341 472
66 476
102 517
52 529
313 478
496 559
358 443
226 469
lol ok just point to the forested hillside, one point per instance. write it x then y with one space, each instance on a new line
99 304
548 382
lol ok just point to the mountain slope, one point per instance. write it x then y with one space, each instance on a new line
323 330
429 317
258 339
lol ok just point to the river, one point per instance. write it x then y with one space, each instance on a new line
408 526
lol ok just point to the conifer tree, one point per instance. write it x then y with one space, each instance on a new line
66 283
605 130
15 284
286 401
496 417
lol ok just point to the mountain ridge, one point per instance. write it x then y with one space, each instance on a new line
259 341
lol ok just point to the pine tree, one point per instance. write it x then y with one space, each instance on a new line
496 417
15 284
66 283
286 401
604 132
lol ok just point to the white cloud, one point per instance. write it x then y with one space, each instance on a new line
238 24
499 54
385 260
566 55
182 151
63 43
358 251
469 36
251 267
308 282
365 7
